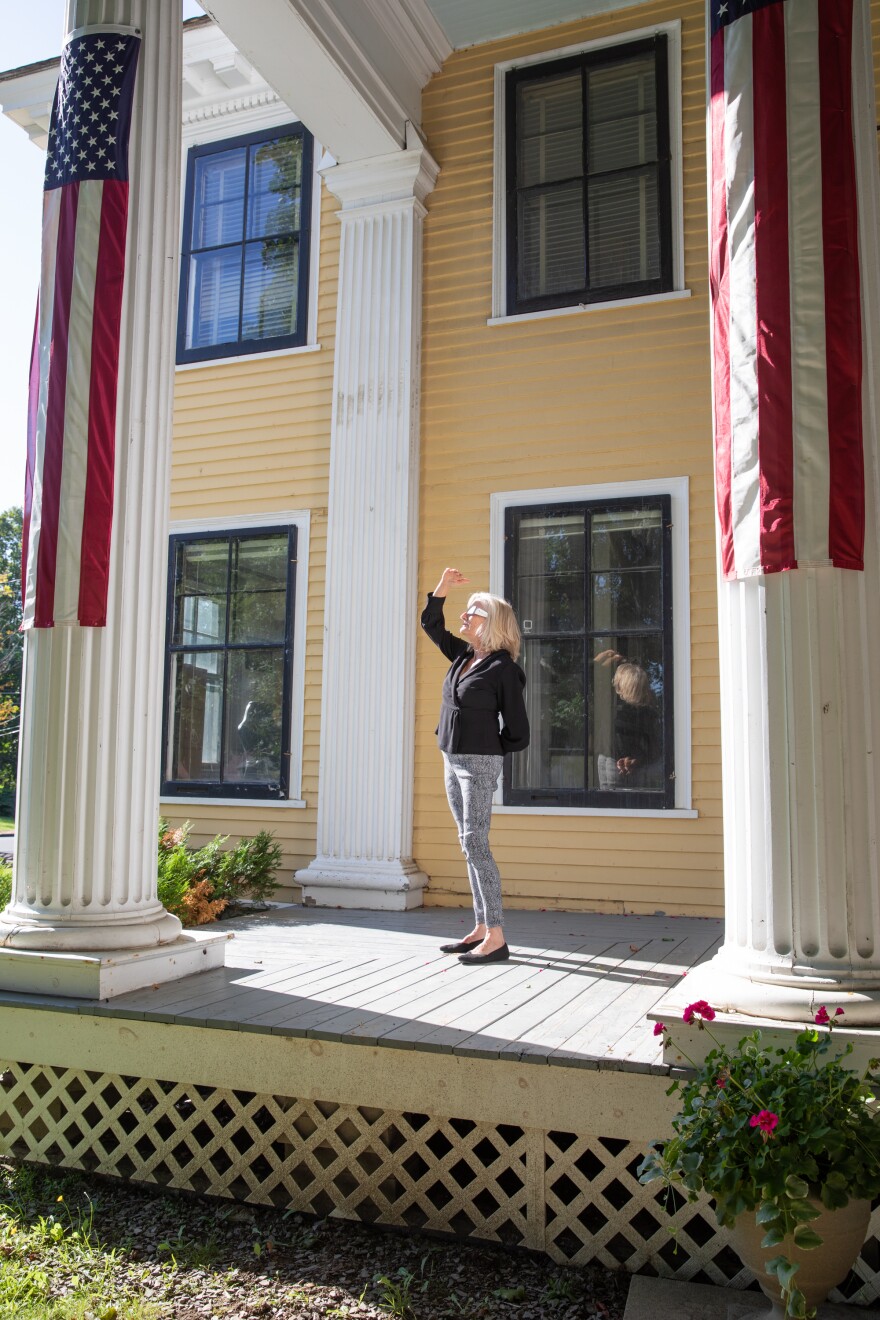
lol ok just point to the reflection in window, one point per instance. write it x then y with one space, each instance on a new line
591 585
244 269
228 668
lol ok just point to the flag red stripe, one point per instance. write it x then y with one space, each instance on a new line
720 285
54 447
843 316
33 407
98 510
773 329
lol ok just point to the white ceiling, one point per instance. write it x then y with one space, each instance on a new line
468 22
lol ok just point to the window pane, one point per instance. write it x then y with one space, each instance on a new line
275 187
626 714
197 714
624 229
622 115
200 593
555 703
626 538
550 574
549 116
214 295
218 198
254 702
551 247
258 606
270 288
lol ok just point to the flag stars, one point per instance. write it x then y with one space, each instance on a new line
90 165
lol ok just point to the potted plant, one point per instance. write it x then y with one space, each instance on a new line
787 1143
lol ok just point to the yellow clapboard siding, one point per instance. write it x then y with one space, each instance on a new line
614 395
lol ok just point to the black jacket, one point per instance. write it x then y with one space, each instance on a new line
471 705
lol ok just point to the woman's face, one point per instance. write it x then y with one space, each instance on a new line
472 620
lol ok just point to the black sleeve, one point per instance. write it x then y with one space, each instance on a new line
515 733
435 626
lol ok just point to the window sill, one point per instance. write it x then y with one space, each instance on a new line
647 813
248 357
676 295
260 803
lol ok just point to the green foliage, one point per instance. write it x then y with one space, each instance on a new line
5 884
191 880
10 651
820 1139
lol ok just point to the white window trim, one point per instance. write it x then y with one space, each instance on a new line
672 32
301 519
677 490
272 116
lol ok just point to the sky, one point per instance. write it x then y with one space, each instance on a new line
29 32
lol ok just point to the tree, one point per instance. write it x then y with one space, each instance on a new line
10 651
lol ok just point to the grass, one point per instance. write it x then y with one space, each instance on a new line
53 1265
6 823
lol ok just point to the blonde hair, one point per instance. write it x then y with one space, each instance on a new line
500 632
632 685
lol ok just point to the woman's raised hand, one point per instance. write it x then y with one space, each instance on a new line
450 577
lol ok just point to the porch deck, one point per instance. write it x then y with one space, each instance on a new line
574 993
339 1064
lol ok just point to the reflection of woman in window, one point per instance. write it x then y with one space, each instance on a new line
632 762
482 716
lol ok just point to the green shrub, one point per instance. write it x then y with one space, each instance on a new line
196 884
5 884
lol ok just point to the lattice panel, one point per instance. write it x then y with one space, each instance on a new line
575 1196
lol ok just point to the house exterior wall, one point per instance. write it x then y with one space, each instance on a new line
613 394
253 437
610 395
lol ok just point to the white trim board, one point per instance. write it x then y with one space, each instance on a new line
677 489
301 519
672 32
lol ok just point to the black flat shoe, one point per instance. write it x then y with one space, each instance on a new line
497 955
461 947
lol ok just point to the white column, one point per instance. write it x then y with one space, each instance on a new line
800 707
85 865
367 745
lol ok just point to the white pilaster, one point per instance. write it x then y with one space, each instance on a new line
85 866
800 709
366 775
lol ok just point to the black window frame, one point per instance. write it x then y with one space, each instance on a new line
262 790
240 347
649 799
664 283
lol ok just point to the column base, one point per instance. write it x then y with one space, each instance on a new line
376 886
102 975
21 931
794 1001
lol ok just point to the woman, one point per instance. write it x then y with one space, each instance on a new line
483 683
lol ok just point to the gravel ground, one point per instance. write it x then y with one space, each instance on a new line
205 1259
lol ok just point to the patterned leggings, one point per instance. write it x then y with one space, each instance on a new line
470 783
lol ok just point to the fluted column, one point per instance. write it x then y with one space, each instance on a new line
85 865
800 708
367 743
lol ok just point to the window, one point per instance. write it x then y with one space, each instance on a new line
228 664
591 583
246 234
589 211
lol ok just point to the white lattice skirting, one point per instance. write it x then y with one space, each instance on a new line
574 1196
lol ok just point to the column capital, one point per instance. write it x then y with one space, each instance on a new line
401 176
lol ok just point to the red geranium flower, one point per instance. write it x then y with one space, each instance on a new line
659 1028
698 1009
822 1017
765 1120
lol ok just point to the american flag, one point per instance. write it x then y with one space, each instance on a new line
68 507
786 299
